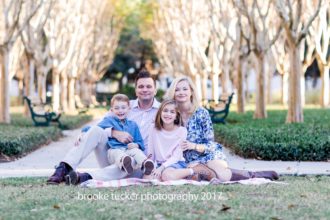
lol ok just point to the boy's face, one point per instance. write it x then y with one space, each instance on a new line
120 109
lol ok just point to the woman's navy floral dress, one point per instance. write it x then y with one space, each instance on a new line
200 131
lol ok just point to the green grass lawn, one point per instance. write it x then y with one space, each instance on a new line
301 198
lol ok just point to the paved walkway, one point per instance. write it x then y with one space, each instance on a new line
42 161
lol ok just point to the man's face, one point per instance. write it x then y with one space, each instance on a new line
120 109
145 89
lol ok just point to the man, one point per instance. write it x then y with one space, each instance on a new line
143 112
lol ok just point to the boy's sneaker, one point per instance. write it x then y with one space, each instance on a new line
126 164
148 166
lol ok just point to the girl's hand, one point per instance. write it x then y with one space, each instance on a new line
158 172
132 145
186 145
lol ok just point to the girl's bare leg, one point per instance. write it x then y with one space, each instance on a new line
221 168
175 174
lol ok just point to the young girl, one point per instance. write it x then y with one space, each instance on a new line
164 147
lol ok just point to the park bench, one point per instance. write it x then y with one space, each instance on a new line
40 115
219 109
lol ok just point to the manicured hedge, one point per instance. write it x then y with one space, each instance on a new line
21 136
272 139
15 140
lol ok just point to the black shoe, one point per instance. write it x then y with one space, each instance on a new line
75 178
60 172
271 175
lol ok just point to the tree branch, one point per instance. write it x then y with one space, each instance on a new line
303 33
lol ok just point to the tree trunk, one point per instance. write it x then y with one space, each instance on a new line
215 86
225 79
204 85
31 75
56 91
239 86
260 111
64 92
71 93
325 85
295 112
4 86
285 88
269 73
84 90
302 84
198 84
42 87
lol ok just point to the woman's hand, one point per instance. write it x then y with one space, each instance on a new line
186 145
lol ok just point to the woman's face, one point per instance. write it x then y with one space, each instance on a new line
182 92
168 115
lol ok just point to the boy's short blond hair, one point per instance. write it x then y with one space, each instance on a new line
119 97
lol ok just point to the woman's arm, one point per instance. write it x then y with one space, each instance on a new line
208 134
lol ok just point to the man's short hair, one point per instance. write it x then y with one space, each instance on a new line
144 74
119 97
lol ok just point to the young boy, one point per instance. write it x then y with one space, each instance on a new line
119 153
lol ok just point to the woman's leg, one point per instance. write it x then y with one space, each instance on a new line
171 173
221 169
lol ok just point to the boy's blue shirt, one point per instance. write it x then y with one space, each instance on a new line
126 125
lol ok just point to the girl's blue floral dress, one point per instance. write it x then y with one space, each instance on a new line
200 131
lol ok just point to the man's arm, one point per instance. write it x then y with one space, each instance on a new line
121 136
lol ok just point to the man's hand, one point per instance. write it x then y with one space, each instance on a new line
132 145
78 140
122 136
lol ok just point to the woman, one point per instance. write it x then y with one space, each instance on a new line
200 148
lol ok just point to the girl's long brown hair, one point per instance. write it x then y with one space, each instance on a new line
159 121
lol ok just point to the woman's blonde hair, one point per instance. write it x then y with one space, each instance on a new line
194 97
159 121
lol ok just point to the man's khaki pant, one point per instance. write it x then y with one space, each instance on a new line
95 140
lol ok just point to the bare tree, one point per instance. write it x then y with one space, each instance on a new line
261 31
281 56
296 27
36 49
14 19
223 22
321 33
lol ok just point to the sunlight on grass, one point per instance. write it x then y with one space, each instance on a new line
251 107
297 198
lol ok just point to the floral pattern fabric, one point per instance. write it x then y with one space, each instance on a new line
200 131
